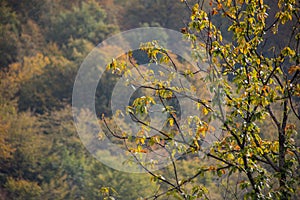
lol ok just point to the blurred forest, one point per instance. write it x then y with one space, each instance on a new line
42 44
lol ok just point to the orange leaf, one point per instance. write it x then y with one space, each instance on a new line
237 148
214 12
220 6
184 30
293 69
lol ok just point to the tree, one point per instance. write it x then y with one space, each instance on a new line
258 81
86 21
9 29
165 13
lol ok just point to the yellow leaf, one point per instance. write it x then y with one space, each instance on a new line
171 121
140 140
228 3
230 156
197 144
240 161
205 111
